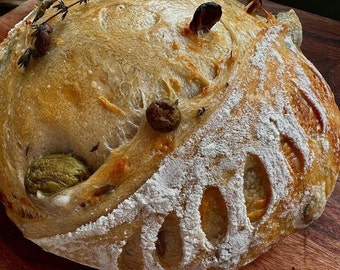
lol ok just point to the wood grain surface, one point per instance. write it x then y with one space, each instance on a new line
317 247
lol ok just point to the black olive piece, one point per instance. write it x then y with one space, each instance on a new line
205 17
163 116
42 39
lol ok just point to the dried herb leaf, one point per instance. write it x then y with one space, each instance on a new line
201 111
45 4
95 148
61 6
25 59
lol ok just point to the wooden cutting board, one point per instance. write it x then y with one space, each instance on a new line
317 247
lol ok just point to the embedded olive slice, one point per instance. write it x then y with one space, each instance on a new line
42 35
205 17
53 173
163 116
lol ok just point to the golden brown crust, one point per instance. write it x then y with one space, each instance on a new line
257 147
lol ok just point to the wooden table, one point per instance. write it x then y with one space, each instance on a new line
317 247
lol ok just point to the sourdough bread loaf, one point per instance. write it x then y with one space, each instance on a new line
254 157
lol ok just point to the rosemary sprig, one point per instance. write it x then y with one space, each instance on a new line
40 38
25 59
61 7
45 4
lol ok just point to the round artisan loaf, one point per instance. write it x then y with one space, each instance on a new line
85 174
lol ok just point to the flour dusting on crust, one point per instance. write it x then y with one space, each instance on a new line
182 177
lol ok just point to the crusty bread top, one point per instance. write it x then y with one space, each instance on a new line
265 154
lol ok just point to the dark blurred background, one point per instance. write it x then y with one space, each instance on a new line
326 8
7 5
